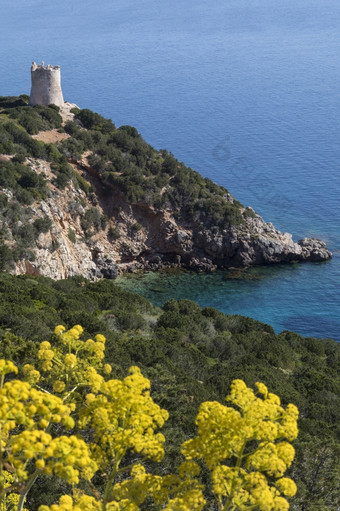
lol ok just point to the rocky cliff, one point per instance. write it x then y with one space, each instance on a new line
112 204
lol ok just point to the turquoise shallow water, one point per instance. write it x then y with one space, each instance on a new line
244 91
284 296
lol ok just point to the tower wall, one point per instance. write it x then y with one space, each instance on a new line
46 88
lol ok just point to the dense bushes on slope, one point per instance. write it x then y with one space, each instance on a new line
125 160
82 401
21 186
35 119
17 123
121 157
191 355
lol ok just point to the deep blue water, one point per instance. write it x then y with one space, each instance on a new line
245 91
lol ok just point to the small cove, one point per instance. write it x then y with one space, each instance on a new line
274 295
245 91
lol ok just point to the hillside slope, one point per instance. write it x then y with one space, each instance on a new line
80 196
191 355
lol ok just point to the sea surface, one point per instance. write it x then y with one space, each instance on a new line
244 91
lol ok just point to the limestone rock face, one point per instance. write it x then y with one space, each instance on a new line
314 249
46 88
259 243
162 239
64 251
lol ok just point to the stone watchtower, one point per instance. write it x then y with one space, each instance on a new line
46 88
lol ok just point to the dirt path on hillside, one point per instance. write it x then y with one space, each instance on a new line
50 137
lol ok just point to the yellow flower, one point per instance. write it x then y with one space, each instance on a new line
224 433
286 486
107 369
242 443
280 504
79 329
70 360
46 354
39 464
100 338
59 386
31 373
59 329
262 389
6 366
45 345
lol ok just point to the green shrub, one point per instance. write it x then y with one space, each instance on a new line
114 233
42 224
6 256
91 120
35 119
71 235
91 219
72 148
25 235
82 183
130 320
136 227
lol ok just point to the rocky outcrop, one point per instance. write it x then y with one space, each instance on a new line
257 244
147 238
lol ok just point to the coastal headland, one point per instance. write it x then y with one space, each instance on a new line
96 200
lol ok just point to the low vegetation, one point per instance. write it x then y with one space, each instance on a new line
67 397
190 355
122 159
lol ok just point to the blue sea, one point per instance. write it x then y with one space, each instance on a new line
244 91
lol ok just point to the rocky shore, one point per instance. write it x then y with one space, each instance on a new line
258 244
160 242
94 219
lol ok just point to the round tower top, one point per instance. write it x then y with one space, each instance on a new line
36 66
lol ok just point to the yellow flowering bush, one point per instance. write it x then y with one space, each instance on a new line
244 443
10 499
124 416
27 449
71 363
66 397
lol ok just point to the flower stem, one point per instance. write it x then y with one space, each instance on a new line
27 488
